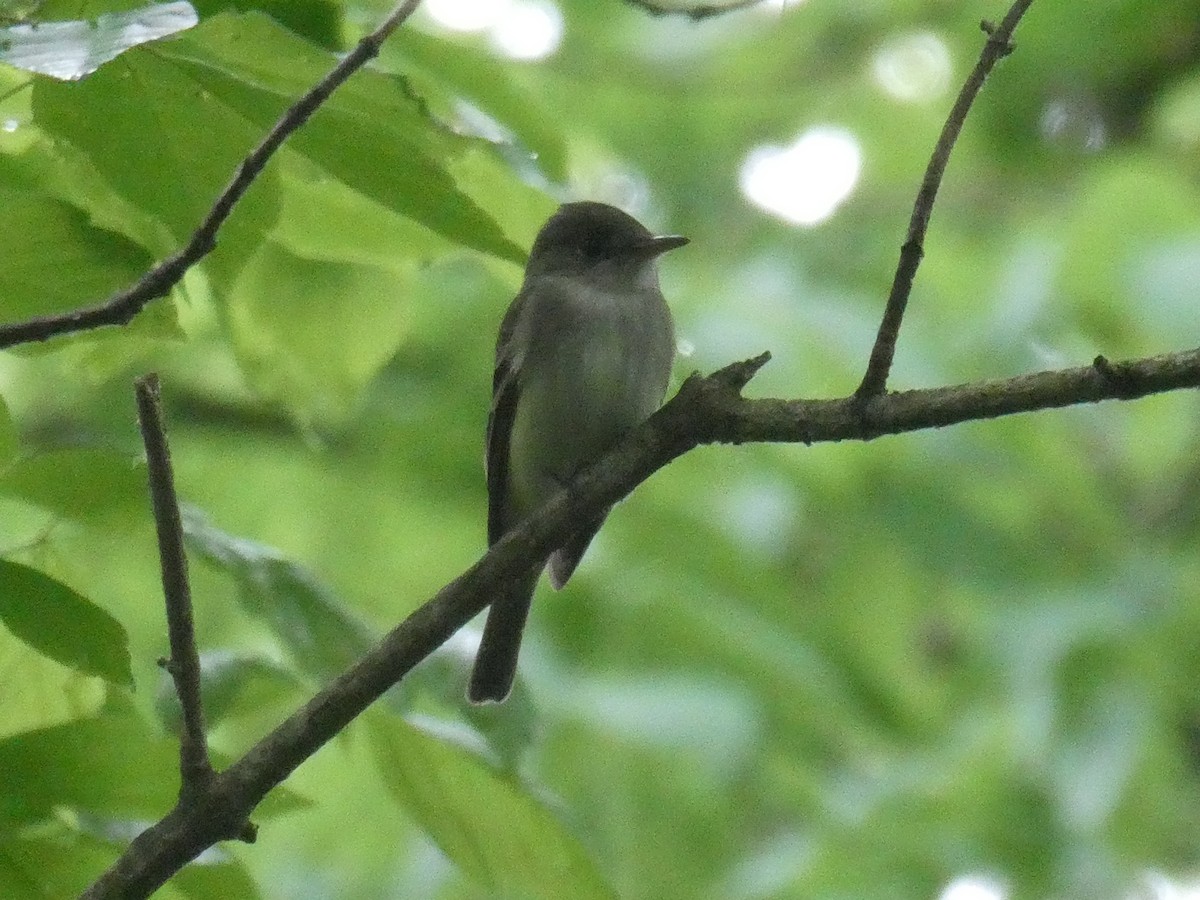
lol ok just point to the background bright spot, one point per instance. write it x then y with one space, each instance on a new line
465 15
776 7
973 887
913 67
529 29
518 29
1159 887
806 182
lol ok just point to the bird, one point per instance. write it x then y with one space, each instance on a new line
584 354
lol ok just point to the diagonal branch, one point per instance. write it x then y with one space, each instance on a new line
996 47
706 410
195 768
121 307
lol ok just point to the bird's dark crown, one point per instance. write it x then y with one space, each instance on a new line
595 231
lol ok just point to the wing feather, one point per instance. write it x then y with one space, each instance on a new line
505 393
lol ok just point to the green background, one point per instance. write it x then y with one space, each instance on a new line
839 671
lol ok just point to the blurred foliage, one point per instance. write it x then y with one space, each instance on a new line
835 671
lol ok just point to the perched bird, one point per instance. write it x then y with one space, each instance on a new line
584 355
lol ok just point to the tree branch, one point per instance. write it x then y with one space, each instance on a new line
121 307
706 410
997 46
195 768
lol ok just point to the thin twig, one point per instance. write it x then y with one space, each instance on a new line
706 410
195 768
121 307
997 46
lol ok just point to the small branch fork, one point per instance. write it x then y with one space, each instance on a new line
199 819
996 47
195 768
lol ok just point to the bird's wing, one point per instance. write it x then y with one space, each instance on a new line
505 389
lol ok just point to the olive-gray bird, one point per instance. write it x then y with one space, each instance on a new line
584 355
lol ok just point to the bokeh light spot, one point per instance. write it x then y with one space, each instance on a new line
913 67
466 15
528 30
517 29
974 887
804 183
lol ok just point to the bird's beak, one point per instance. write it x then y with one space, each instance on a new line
656 246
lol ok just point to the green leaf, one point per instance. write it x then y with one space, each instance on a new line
36 692
230 685
224 876
323 219
489 826
8 434
110 766
53 861
316 350
491 86
322 634
1125 214
320 21
32 161
19 876
57 860
54 261
80 485
510 728
112 115
372 134
63 625
522 208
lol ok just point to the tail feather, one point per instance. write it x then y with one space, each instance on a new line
565 559
496 662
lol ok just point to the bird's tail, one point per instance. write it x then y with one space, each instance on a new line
564 560
496 661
